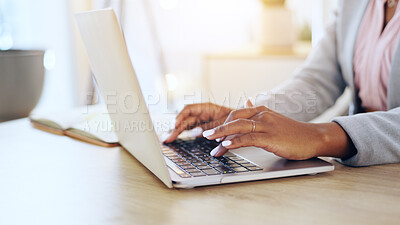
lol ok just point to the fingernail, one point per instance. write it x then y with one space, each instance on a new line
226 143
208 132
214 151
218 139
196 132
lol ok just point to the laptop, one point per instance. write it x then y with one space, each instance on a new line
185 163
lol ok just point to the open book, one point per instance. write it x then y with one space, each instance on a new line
91 124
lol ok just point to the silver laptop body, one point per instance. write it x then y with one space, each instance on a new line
114 73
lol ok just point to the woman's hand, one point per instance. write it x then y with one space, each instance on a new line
276 133
203 115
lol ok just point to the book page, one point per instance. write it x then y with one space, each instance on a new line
66 119
97 125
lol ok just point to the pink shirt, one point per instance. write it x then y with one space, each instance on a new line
373 54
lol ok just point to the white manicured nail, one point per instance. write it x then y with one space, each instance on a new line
208 132
226 143
218 139
214 151
196 132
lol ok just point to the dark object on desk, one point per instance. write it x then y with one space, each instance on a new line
21 82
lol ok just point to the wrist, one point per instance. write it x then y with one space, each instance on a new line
334 141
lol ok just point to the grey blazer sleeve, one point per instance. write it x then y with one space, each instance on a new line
375 135
314 87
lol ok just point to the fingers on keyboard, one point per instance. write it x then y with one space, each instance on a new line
193 157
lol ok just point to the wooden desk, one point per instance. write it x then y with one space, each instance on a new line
49 179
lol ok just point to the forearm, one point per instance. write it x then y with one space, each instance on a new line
334 141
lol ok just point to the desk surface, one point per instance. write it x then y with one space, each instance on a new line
49 179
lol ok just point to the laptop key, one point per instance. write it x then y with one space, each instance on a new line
189 166
234 158
179 172
230 162
178 160
199 164
174 157
247 164
211 172
224 169
241 169
193 170
254 168
234 165
198 174
242 161
182 163
185 175
204 167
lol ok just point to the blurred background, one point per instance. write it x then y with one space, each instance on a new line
183 51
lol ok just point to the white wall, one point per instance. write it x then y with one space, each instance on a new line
186 31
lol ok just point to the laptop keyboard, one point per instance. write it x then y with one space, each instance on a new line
193 157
